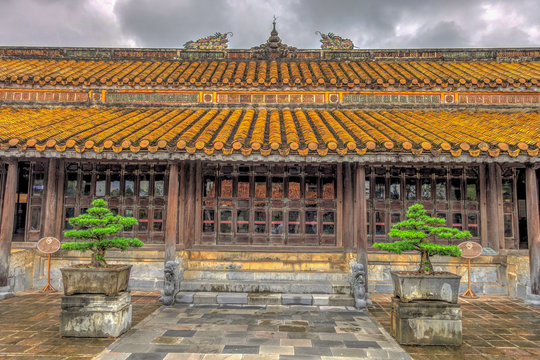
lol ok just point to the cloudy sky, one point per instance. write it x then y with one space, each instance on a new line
369 23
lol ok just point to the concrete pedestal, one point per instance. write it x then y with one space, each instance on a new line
5 292
95 315
426 323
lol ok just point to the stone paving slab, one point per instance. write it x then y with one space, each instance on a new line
188 331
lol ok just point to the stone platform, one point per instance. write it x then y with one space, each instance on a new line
426 323
95 315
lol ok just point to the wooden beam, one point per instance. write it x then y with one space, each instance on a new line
533 228
348 208
493 220
182 206
60 178
483 206
49 218
8 219
360 216
171 224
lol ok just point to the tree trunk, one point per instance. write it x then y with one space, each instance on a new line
98 258
425 264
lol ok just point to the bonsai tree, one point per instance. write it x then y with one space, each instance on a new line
415 234
98 231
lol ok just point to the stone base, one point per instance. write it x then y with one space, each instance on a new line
95 315
426 323
533 300
5 292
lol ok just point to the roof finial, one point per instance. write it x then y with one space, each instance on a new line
274 31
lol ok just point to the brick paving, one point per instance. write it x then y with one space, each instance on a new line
29 327
494 327
256 332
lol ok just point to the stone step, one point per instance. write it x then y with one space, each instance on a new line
268 256
265 276
269 266
246 299
288 287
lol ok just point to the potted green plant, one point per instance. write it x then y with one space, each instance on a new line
415 234
97 231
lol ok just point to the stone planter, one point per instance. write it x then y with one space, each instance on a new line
441 286
108 281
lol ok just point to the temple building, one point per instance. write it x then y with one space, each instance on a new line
272 160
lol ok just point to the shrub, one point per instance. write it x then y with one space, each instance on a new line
415 233
98 230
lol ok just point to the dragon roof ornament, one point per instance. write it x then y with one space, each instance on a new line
333 42
273 48
218 41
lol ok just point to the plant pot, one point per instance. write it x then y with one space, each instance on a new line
442 286
108 281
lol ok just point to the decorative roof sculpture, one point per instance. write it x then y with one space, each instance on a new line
333 42
218 41
273 48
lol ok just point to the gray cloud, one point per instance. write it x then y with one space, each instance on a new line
369 23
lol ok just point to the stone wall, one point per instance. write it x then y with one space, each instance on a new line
21 270
490 275
28 268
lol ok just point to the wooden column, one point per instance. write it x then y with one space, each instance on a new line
500 211
182 207
8 214
61 174
348 208
198 202
493 214
49 216
360 216
171 224
483 206
339 206
189 216
533 228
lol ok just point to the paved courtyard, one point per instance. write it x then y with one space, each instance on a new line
256 332
29 327
494 327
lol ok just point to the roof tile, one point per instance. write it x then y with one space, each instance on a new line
286 131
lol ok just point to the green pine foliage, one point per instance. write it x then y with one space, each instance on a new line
415 234
98 231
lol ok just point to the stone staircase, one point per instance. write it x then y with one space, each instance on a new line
252 278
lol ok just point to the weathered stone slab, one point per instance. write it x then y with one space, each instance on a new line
185 297
208 298
296 299
426 323
5 292
533 300
321 299
232 298
95 315
264 299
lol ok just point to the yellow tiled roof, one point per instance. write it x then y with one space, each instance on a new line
232 73
271 131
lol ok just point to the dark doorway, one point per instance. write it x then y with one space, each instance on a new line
522 208
21 200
